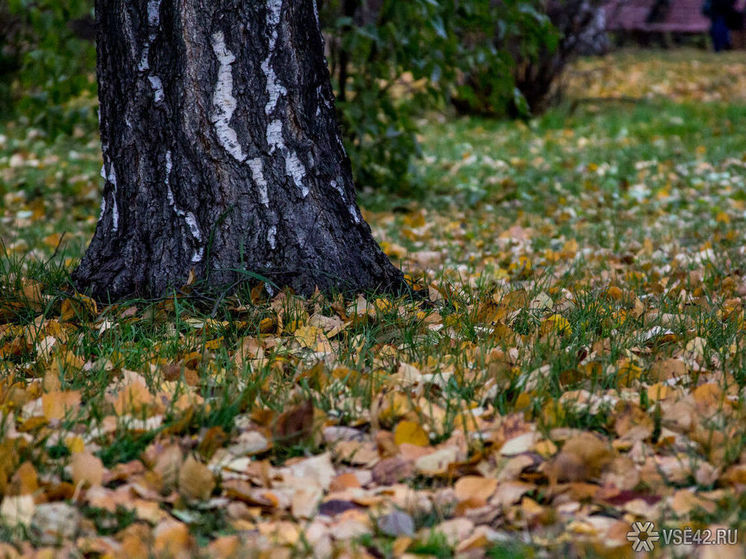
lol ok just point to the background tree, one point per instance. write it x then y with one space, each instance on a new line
221 153
45 67
540 39
390 62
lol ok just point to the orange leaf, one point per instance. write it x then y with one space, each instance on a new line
475 487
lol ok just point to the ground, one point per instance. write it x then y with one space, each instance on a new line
580 367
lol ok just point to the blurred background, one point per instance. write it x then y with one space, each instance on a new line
400 70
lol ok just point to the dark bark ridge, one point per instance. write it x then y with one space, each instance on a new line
221 153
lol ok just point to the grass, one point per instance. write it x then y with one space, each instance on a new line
586 269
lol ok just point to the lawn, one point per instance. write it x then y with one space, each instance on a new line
578 365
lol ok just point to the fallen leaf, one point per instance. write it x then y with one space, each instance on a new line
411 433
87 469
195 480
474 488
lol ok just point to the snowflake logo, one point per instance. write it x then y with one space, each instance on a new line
643 536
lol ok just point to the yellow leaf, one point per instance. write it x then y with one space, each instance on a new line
308 335
81 307
75 444
556 323
659 391
56 405
215 344
25 481
393 250
53 240
383 305
614 293
411 433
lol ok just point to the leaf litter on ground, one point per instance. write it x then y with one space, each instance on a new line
580 365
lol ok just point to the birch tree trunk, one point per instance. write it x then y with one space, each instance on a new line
221 153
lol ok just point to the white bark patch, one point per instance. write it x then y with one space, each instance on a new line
338 187
274 89
191 222
297 171
274 136
353 213
189 218
294 168
157 85
154 21
341 144
316 13
103 208
272 237
257 171
112 178
223 100
144 65
274 11
154 13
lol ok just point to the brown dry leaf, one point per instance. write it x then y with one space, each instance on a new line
582 458
344 481
386 444
79 307
86 468
224 547
685 501
245 492
520 444
411 433
392 470
634 424
51 382
57 405
294 424
331 326
438 462
708 396
172 540
31 293
510 492
667 369
305 501
475 487
556 324
319 469
134 398
455 530
195 480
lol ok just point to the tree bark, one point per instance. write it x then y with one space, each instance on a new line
221 153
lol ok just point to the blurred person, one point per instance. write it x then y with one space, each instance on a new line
722 14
